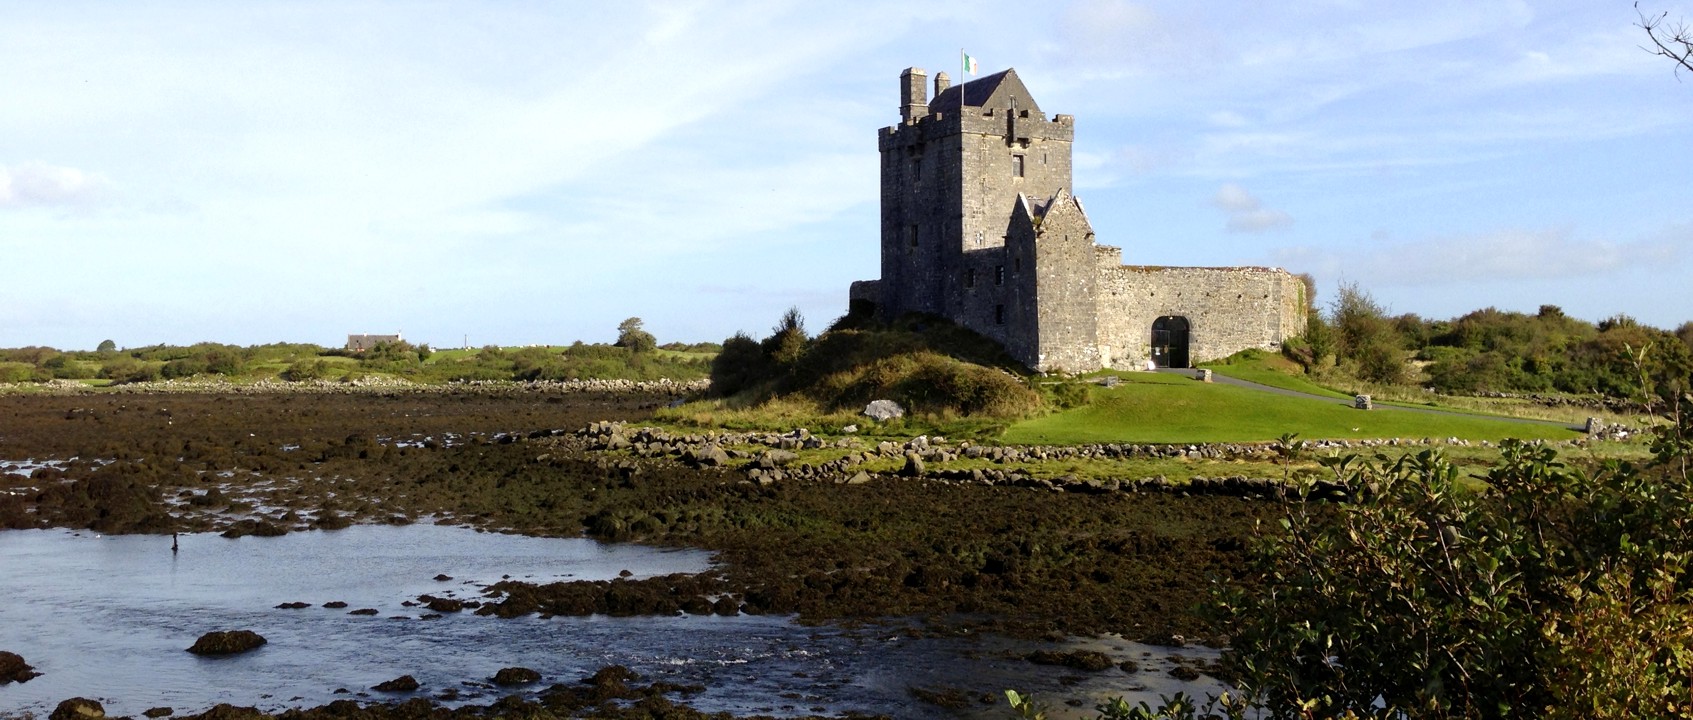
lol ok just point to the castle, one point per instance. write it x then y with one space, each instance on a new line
979 226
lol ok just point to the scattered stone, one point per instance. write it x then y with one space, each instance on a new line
444 605
1089 660
403 683
14 669
849 430
443 578
1363 402
858 478
883 410
365 611
159 712
1184 673
226 642
78 708
516 676
913 466
335 604
293 606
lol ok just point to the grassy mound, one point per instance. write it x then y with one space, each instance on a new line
937 371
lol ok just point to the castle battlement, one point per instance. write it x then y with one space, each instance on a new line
979 226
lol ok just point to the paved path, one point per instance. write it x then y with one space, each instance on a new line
1220 378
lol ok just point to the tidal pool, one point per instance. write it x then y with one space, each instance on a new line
110 617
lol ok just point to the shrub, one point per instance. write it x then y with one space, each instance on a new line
1553 592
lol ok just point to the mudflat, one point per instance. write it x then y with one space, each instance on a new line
954 557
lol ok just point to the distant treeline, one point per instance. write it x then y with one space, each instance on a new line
1493 350
641 359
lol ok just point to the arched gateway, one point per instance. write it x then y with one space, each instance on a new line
1169 341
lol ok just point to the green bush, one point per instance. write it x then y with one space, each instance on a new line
1552 592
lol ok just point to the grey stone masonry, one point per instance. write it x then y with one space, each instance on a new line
979 226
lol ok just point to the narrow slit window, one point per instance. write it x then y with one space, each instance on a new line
970 277
1016 166
999 275
912 235
999 314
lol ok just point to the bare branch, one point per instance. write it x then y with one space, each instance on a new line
1670 40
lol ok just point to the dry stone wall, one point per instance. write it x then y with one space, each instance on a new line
1228 309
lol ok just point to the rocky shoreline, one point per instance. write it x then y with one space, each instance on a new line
1010 554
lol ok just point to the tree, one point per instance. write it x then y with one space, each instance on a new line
787 341
1673 41
630 335
106 346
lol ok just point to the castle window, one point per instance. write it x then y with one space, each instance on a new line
911 234
917 170
999 275
1017 264
969 277
1016 166
999 314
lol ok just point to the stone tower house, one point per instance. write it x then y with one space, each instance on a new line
979 227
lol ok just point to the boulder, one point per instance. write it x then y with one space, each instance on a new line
226 642
14 669
710 456
78 708
403 683
516 676
159 712
913 466
883 410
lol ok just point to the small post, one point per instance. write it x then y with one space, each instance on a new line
1362 402
1205 374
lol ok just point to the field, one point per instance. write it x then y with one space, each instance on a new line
1168 408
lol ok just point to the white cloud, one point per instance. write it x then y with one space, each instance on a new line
37 184
1509 254
1246 214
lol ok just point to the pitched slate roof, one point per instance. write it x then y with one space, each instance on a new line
978 92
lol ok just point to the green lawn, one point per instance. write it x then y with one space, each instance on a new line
1171 408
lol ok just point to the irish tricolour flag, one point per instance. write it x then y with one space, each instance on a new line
969 63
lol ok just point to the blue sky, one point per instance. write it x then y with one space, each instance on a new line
535 172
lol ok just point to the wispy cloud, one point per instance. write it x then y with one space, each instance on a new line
1497 256
37 184
1246 213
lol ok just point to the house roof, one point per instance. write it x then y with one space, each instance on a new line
995 90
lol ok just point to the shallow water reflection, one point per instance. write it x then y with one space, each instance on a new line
110 618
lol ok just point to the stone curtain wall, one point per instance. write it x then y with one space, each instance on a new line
1228 310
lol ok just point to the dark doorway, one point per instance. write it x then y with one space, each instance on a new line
1169 342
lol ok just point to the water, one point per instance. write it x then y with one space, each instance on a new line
110 618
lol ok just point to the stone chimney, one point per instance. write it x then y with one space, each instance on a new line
942 82
913 95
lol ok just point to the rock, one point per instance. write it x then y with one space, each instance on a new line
516 676
445 604
293 606
774 459
14 669
443 577
1089 660
711 456
78 708
226 642
365 611
858 478
849 430
403 683
913 466
883 410
1362 402
159 712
